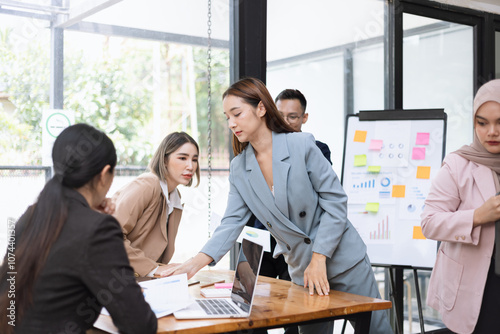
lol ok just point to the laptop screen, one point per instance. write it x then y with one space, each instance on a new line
245 277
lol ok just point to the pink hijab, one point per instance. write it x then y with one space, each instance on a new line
476 152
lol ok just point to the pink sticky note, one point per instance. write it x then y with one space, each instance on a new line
418 153
422 138
375 144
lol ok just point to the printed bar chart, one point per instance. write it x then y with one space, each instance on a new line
383 232
365 184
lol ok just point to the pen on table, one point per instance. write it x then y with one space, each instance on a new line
212 283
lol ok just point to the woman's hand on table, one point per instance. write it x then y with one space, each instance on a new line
315 275
190 267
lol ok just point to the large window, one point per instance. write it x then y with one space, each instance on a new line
438 69
136 70
326 50
497 54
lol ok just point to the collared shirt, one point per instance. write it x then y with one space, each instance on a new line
173 199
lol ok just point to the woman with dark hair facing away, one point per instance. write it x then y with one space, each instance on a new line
149 208
69 255
282 178
460 211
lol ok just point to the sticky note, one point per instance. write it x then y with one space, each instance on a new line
376 144
418 153
422 138
423 172
373 169
360 136
417 233
398 191
360 160
371 207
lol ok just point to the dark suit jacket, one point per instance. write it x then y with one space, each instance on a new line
325 150
87 268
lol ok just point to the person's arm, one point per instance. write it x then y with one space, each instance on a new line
130 203
107 274
487 213
331 198
190 267
224 236
442 219
315 277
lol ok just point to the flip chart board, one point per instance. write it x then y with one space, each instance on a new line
390 159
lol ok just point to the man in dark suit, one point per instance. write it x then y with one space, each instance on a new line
291 104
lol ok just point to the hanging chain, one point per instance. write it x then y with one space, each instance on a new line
209 111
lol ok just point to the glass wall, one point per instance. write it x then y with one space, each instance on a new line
307 50
497 55
437 73
136 70
438 68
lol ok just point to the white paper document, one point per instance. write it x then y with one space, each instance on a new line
164 295
261 237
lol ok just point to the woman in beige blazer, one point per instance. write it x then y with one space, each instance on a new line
460 211
149 208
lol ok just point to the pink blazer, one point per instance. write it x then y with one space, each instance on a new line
459 275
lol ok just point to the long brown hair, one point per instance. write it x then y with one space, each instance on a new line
169 145
253 91
80 153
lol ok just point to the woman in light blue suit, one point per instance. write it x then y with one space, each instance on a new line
286 182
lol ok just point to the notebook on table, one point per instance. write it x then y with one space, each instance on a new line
239 305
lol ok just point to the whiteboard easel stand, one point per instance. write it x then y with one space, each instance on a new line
396 271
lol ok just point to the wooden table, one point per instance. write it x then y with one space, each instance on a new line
277 303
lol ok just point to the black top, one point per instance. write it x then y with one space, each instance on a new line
87 268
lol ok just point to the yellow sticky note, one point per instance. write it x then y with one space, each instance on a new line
360 160
423 172
371 207
398 191
417 233
360 136
373 169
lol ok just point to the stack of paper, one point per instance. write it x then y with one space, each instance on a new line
164 295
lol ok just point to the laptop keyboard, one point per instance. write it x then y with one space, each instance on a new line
216 306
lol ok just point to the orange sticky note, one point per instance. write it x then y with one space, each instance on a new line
423 172
417 233
360 136
398 191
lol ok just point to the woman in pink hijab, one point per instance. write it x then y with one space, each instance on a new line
460 211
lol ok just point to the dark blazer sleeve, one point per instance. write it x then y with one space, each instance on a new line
325 150
109 276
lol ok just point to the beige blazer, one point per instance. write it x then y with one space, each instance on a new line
141 210
457 281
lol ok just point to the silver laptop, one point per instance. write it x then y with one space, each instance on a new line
242 293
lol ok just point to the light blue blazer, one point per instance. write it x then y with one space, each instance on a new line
308 212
